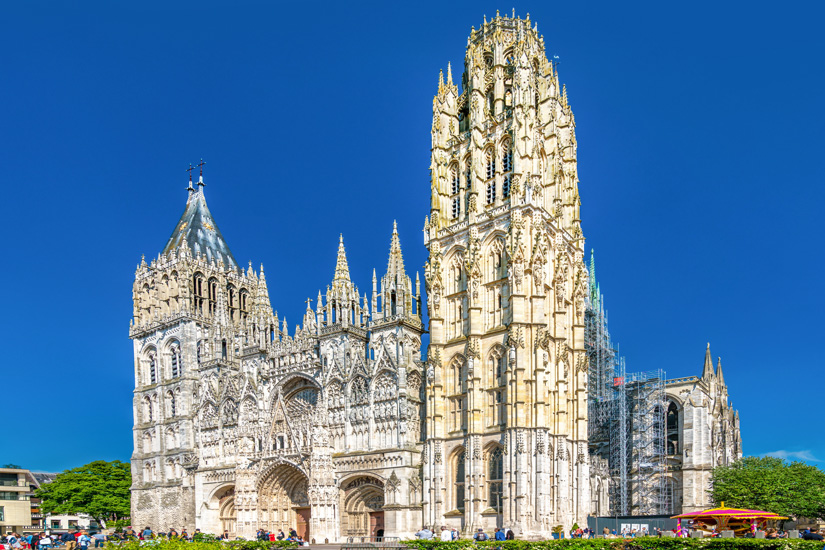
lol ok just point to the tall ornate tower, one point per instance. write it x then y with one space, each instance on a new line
506 424
195 313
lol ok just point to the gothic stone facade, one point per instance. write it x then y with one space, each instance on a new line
506 385
702 433
240 425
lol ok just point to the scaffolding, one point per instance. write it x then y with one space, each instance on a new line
601 357
626 418
645 396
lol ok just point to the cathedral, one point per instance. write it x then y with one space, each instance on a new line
337 427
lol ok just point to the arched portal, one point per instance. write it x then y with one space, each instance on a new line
363 507
283 502
226 507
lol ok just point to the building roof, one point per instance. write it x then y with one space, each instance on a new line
197 228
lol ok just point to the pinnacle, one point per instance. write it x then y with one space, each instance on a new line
719 375
396 261
707 372
341 267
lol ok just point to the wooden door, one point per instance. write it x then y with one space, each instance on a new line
302 520
376 525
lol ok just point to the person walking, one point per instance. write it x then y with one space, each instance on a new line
83 541
100 539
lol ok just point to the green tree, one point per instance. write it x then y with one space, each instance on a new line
12 466
100 489
791 489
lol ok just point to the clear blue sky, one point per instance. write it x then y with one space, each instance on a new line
701 156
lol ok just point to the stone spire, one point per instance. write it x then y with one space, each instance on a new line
707 372
341 267
198 229
719 375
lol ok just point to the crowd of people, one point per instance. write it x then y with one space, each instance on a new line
452 534
71 540
293 536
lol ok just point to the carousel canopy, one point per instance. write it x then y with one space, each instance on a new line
723 511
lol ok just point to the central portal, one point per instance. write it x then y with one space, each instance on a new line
282 500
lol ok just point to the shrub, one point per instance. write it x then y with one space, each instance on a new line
207 542
642 543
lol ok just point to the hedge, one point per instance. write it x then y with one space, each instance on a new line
640 543
165 544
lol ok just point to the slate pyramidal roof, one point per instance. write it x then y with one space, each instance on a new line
197 228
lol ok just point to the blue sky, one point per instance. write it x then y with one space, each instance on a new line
700 128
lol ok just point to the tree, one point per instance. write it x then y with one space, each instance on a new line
791 489
12 466
100 489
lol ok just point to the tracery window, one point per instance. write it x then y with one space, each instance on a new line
505 185
456 207
458 413
495 476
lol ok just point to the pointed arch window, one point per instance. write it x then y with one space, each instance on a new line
199 290
455 209
175 361
491 192
505 185
495 476
244 296
232 302
172 404
490 161
454 179
153 369
672 429
200 353
147 409
506 156
213 296
458 480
